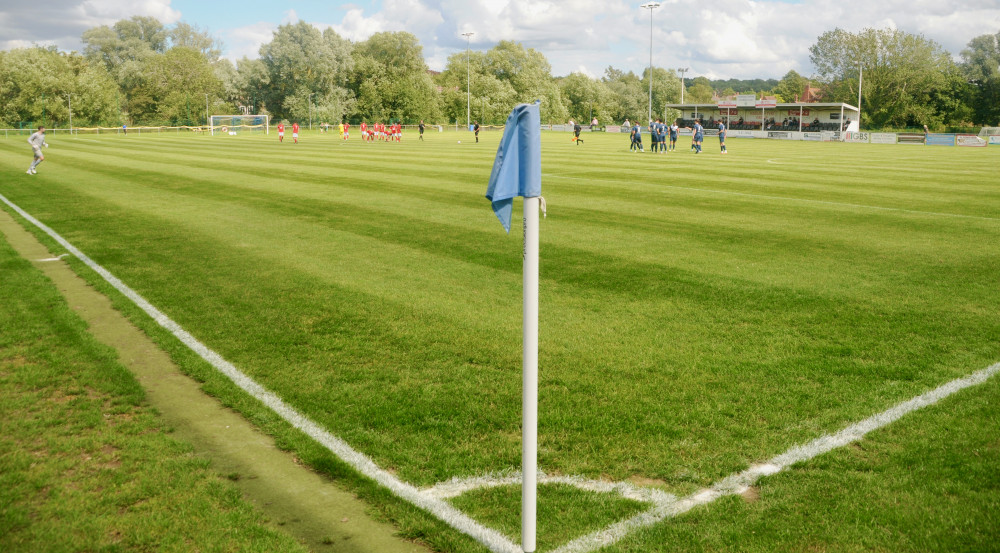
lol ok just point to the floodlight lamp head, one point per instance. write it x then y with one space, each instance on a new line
650 5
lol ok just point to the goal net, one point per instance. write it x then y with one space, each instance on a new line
990 134
226 125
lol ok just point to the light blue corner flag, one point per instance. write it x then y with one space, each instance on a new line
517 170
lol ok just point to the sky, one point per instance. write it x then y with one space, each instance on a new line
718 39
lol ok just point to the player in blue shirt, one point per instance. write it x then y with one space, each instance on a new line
699 136
654 136
722 136
661 135
637 136
674 128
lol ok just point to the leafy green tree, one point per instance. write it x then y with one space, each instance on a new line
501 77
981 66
176 87
146 30
251 85
584 97
628 98
300 62
666 89
791 87
530 75
491 98
391 81
191 36
700 91
901 74
36 85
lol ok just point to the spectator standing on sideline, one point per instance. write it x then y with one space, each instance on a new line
37 140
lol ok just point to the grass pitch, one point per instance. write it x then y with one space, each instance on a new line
699 313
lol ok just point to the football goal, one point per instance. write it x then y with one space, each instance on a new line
227 125
990 134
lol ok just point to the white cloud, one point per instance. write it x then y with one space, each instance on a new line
62 22
106 12
724 39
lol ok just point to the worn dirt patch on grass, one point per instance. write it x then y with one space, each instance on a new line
303 503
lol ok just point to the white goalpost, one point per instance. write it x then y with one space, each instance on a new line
990 135
231 125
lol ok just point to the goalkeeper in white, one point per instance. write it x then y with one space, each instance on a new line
37 140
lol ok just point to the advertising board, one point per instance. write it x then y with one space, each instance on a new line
883 138
857 137
940 140
970 140
909 138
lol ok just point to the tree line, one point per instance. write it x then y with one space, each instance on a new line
142 72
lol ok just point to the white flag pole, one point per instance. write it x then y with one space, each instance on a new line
529 360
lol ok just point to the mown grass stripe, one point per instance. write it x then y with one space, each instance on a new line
443 510
738 483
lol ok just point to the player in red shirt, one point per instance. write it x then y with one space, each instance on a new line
281 132
364 131
347 130
295 132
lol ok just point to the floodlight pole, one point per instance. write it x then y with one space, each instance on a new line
682 71
468 80
69 100
311 110
650 6
859 95
206 108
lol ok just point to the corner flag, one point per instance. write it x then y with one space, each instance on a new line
517 170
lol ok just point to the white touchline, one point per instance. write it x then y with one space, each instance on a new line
802 200
440 508
432 499
740 482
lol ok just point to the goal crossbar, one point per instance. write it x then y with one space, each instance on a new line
231 124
